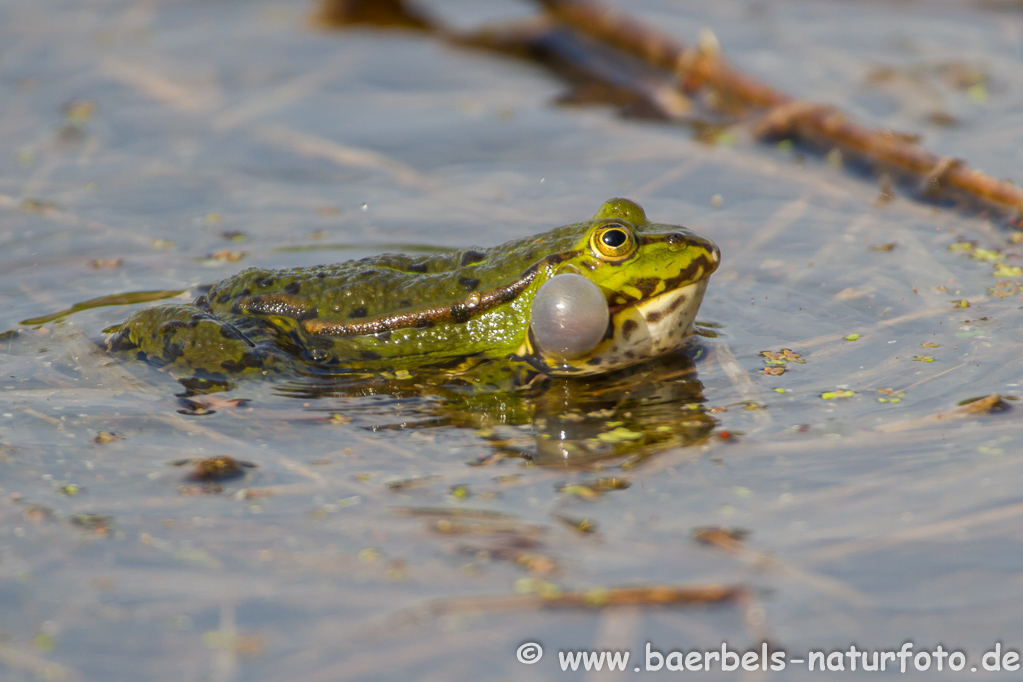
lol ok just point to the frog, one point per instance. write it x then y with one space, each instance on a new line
633 291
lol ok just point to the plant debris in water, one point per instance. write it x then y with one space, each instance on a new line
216 468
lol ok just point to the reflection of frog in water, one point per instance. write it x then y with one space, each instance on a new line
635 293
635 412
587 299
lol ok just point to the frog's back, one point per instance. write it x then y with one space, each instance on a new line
385 285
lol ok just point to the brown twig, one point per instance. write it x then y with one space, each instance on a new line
651 595
597 598
702 67
968 409
390 13
696 67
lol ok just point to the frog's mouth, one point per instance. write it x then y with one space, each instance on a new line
645 291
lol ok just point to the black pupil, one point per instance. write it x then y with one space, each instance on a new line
614 238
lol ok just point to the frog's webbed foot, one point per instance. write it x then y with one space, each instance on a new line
192 342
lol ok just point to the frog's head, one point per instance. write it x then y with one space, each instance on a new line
628 290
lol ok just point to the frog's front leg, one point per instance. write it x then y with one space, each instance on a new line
191 341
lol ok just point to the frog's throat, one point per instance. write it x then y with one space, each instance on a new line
474 304
654 326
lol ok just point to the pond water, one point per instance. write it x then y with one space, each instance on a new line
155 146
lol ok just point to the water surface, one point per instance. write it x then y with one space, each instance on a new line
156 146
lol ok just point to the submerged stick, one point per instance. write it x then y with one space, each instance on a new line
651 595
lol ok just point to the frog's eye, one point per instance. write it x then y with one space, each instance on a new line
613 241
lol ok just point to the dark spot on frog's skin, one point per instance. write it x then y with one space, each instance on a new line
404 303
629 355
244 293
654 317
367 273
172 350
201 302
460 314
265 282
424 324
293 288
677 303
417 267
172 326
321 275
470 257
358 312
595 360
647 285
369 355
223 298
230 333
628 327
470 284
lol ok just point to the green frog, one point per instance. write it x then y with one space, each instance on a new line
583 299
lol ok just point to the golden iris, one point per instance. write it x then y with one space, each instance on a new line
613 241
